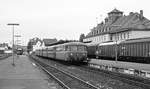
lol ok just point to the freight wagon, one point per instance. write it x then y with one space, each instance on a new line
107 50
136 50
91 49
133 50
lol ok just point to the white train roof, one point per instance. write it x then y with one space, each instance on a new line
110 43
72 43
93 43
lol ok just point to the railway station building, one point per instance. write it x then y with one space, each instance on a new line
117 27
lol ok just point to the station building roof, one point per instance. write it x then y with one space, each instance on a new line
115 11
48 42
118 23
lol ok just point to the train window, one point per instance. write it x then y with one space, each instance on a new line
64 48
73 48
123 48
60 48
50 49
57 48
81 48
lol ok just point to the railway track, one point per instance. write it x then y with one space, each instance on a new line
137 81
66 80
103 79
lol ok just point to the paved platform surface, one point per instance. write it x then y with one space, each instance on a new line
138 66
23 76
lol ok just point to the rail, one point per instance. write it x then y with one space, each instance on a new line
62 78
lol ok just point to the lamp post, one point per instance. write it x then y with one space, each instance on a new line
13 24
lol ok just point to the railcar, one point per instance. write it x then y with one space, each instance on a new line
72 52
38 52
19 51
51 52
44 52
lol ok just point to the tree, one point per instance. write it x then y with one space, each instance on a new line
31 43
82 36
29 47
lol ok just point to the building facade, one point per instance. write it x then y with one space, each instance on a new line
117 27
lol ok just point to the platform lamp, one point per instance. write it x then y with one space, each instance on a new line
13 24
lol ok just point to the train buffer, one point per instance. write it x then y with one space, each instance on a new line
24 75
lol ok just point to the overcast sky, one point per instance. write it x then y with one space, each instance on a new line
61 19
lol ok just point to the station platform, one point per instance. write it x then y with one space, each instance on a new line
119 64
24 75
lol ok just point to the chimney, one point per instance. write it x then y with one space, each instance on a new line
106 20
131 13
141 14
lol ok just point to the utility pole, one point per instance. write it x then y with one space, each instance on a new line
116 58
13 24
116 39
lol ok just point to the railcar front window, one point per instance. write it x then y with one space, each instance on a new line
81 48
76 48
71 48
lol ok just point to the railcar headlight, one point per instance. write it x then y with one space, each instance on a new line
71 54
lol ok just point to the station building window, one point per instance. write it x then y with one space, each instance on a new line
111 38
120 36
124 36
104 38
